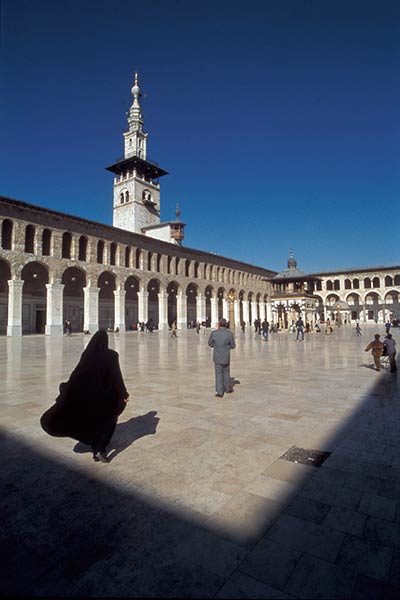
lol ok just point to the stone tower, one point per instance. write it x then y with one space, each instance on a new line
136 184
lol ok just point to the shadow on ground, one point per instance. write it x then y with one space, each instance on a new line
67 534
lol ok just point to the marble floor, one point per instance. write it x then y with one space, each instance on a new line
196 500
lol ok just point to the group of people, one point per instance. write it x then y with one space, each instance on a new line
385 348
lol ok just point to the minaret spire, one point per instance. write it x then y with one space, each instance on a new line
135 137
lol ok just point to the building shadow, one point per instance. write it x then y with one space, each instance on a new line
68 533
126 434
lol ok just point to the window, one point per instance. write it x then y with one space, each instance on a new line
113 251
127 256
29 238
356 284
347 284
6 234
66 245
82 248
100 252
376 282
46 242
367 282
388 281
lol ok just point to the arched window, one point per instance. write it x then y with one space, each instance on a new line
177 266
137 258
113 251
149 257
46 242
187 266
169 265
329 285
376 282
126 196
158 263
347 284
196 270
127 256
356 284
388 281
336 284
6 234
29 238
121 197
100 252
367 282
318 285
66 245
397 280
82 248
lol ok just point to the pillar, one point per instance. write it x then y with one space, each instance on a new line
246 315
181 320
254 311
214 311
200 308
54 309
262 311
269 313
91 309
119 309
163 310
143 307
14 320
236 312
225 309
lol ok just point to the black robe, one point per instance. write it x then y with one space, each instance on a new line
90 402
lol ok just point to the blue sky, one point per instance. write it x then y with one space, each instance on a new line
278 121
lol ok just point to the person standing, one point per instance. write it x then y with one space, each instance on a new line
222 341
90 402
265 329
387 326
376 347
358 329
173 330
300 329
390 344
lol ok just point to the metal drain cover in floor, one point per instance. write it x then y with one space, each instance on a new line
304 456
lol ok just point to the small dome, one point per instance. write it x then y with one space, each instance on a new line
291 263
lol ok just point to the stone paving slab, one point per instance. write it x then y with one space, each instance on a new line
196 501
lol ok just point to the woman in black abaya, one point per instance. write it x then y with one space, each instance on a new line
90 402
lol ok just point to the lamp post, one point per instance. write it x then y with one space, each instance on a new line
232 298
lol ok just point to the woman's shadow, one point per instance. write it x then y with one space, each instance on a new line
127 433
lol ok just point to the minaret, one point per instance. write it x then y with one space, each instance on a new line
136 185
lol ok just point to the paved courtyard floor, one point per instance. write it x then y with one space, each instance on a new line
197 501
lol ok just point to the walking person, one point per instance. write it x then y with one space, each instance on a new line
223 342
90 402
358 329
390 344
173 330
300 329
376 347
388 326
265 329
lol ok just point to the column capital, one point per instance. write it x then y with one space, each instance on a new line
16 283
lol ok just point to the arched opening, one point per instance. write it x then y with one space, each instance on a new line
82 249
187 267
208 295
356 284
330 303
149 257
191 312
127 256
29 239
46 242
177 260
5 276
367 283
66 245
106 283
397 280
354 302
347 284
388 281
196 270
131 303
319 308
34 295
172 290
251 316
329 285
74 280
113 252
6 234
241 298
392 305
154 289
336 284
376 282
100 252
220 298
137 258
372 305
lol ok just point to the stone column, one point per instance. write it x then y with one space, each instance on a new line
119 309
253 311
163 310
236 312
214 311
269 313
181 320
91 309
143 307
54 309
200 308
14 321
225 309
246 315
262 311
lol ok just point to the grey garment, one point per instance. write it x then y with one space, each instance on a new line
222 379
223 342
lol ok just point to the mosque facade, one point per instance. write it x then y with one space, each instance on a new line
56 267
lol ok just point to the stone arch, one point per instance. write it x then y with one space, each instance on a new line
220 298
106 283
208 293
392 304
5 276
191 306
319 307
388 281
331 299
376 282
329 285
34 297
74 280
397 280
153 289
172 310
367 283
29 247
356 284
355 305
373 307
131 286
347 284
7 230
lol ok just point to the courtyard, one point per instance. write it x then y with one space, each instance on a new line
197 500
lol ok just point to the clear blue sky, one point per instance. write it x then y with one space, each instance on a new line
277 120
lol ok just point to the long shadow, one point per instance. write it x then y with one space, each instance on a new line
126 434
66 533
